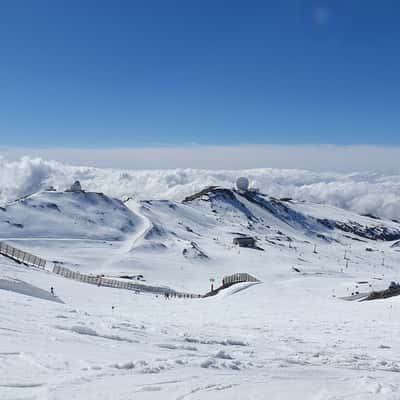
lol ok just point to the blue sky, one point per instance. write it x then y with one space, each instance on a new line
154 73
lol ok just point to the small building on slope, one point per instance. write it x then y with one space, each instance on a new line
244 241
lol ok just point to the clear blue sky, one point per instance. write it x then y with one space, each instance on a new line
133 73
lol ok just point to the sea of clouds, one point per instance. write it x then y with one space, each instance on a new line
374 193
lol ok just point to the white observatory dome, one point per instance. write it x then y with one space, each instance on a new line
242 183
76 187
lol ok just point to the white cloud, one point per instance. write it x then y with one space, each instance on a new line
368 192
310 157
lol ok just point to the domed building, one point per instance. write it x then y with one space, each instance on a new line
75 187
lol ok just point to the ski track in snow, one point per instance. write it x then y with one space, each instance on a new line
129 243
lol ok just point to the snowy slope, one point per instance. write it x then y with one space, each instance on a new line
67 215
259 215
362 225
286 337
289 336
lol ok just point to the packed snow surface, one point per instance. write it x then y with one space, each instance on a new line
289 336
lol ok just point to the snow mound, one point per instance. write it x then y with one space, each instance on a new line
85 330
396 246
194 252
238 287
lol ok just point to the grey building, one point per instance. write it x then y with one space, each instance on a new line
244 241
75 187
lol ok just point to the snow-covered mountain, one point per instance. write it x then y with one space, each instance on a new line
67 215
171 224
201 228
361 192
289 335
266 218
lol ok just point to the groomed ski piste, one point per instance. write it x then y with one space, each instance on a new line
290 335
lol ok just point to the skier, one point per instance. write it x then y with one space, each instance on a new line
52 290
